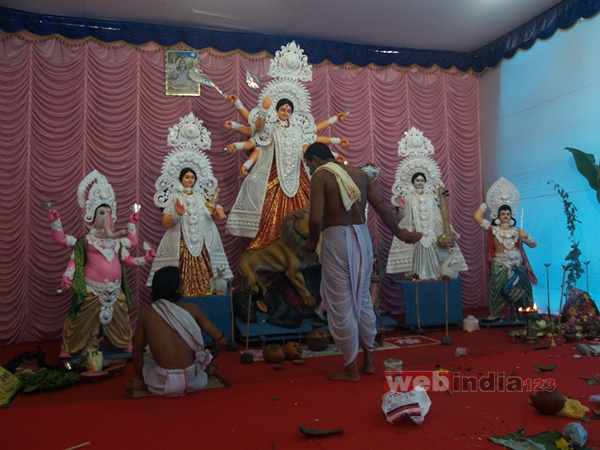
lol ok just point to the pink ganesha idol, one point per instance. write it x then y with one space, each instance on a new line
96 271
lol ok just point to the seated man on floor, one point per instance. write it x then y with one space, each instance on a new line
175 361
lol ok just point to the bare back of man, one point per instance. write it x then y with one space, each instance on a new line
334 213
169 349
370 193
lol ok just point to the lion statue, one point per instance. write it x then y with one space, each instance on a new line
282 255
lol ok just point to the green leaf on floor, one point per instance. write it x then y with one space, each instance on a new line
543 441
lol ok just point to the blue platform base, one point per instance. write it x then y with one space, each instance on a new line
265 332
110 353
386 323
503 322
218 309
431 307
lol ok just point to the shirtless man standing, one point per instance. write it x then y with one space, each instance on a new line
338 194
175 361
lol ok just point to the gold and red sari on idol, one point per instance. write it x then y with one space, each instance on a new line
278 205
195 272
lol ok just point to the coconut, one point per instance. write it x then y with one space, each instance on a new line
231 346
273 353
247 358
293 350
548 402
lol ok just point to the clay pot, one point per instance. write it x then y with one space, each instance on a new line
570 337
30 363
318 339
548 402
273 353
293 350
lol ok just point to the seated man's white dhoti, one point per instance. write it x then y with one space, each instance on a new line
177 382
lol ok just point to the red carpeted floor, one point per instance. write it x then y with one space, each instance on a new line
263 408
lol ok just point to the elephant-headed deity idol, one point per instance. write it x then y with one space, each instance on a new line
96 270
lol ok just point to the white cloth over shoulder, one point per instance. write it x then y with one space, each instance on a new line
177 382
349 193
348 189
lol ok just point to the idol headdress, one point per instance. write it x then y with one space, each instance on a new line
100 192
289 67
415 148
501 193
190 139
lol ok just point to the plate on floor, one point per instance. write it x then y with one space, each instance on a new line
94 376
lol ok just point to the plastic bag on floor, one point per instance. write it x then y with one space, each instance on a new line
460 351
575 434
573 409
414 404
393 365
9 387
93 361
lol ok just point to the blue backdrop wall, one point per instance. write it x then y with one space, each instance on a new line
532 107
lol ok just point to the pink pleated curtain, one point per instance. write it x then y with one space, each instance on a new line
68 107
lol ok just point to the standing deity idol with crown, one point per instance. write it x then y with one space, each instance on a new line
187 194
419 194
280 130
510 274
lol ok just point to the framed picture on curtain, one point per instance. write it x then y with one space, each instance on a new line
178 64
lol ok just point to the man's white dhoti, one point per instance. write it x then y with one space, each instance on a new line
177 382
171 382
347 260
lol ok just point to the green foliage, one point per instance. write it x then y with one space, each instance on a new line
47 379
574 267
586 164
549 440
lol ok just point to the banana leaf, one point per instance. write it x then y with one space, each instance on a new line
586 165
543 441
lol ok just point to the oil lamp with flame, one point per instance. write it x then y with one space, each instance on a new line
528 312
